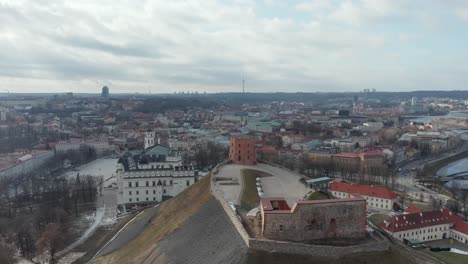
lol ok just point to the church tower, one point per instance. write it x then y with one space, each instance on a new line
149 139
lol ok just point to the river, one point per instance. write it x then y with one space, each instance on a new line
455 167
427 119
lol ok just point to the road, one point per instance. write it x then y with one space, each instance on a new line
106 204
405 177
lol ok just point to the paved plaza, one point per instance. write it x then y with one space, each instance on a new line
282 183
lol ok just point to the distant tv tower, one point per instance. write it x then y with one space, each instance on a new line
243 86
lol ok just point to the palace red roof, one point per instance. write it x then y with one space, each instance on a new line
460 225
367 190
411 209
416 220
347 155
372 153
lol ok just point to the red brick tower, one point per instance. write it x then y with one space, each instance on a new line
242 150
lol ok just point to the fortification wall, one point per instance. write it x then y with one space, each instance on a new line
283 246
334 220
315 250
235 219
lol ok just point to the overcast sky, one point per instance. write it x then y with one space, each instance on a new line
211 45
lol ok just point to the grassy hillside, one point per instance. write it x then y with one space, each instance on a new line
172 214
392 256
249 195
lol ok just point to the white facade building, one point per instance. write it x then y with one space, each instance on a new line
149 139
152 176
377 197
101 146
427 226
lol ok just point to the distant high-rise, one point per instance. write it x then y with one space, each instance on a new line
105 91
414 100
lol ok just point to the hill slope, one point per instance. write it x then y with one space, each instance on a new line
207 237
191 227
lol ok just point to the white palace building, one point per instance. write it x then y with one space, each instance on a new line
152 176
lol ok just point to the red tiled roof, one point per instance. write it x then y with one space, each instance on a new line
460 225
416 220
347 155
367 190
372 153
267 204
411 209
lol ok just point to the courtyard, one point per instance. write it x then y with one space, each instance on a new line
277 183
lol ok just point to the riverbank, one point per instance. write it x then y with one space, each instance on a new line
431 169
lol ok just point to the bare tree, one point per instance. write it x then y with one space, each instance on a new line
51 240
7 253
435 204
464 199
24 240
402 200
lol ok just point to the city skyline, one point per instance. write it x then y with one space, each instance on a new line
212 46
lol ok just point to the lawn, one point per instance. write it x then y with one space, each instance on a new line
318 196
249 195
377 219
449 257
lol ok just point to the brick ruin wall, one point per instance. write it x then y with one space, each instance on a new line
309 222
242 150
290 247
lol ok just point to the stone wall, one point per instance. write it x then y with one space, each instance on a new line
312 220
315 250
283 246
230 211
